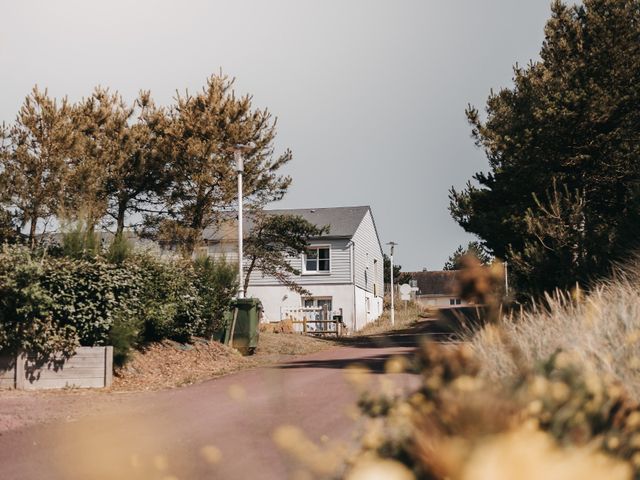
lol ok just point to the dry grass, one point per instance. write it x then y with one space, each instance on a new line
290 344
404 317
170 364
602 329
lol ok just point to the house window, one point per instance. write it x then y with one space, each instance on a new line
455 301
317 260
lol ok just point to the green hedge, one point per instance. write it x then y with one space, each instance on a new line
50 304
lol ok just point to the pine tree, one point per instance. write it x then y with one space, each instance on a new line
120 171
197 140
571 120
273 241
34 160
474 249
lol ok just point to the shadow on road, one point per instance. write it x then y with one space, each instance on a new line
401 342
430 329
375 364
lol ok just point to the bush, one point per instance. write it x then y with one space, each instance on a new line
27 320
551 393
80 241
54 304
119 249
90 295
124 335
217 283
171 306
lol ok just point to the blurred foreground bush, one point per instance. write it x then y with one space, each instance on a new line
550 393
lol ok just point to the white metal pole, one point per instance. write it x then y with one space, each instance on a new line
393 312
506 278
240 169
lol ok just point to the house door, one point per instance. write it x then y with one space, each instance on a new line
324 304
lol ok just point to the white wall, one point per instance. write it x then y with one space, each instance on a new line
363 317
369 266
277 296
437 300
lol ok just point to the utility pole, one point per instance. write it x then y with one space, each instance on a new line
393 312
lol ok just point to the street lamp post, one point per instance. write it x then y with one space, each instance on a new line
238 151
393 312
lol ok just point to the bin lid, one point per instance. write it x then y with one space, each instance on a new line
247 301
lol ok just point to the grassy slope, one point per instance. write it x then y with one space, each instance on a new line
601 328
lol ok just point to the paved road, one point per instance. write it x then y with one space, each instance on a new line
162 434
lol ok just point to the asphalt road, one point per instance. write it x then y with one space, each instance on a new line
217 429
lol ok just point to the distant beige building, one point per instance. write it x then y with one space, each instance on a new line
438 288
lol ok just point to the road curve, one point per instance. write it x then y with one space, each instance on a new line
221 428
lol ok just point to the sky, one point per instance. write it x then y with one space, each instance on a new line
370 95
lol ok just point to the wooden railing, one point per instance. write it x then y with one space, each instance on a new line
314 320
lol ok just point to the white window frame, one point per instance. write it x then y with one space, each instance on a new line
316 272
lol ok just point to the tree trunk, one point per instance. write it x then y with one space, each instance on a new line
122 210
32 230
248 274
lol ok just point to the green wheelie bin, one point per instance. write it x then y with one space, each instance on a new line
246 330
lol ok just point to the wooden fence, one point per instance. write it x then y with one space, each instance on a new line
89 367
314 320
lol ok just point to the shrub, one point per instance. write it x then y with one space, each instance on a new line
124 335
171 306
90 295
119 249
80 241
458 425
54 304
550 393
217 283
27 320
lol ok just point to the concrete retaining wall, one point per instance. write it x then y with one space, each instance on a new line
89 367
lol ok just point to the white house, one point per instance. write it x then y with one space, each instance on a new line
342 269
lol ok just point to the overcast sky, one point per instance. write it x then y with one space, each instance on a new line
369 94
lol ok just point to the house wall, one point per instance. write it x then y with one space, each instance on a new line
437 300
340 264
363 315
367 251
349 283
274 297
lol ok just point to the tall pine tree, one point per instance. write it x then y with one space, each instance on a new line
34 160
197 141
569 124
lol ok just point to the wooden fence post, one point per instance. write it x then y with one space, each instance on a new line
108 366
21 359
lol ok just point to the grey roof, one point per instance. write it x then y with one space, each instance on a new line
439 282
342 221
